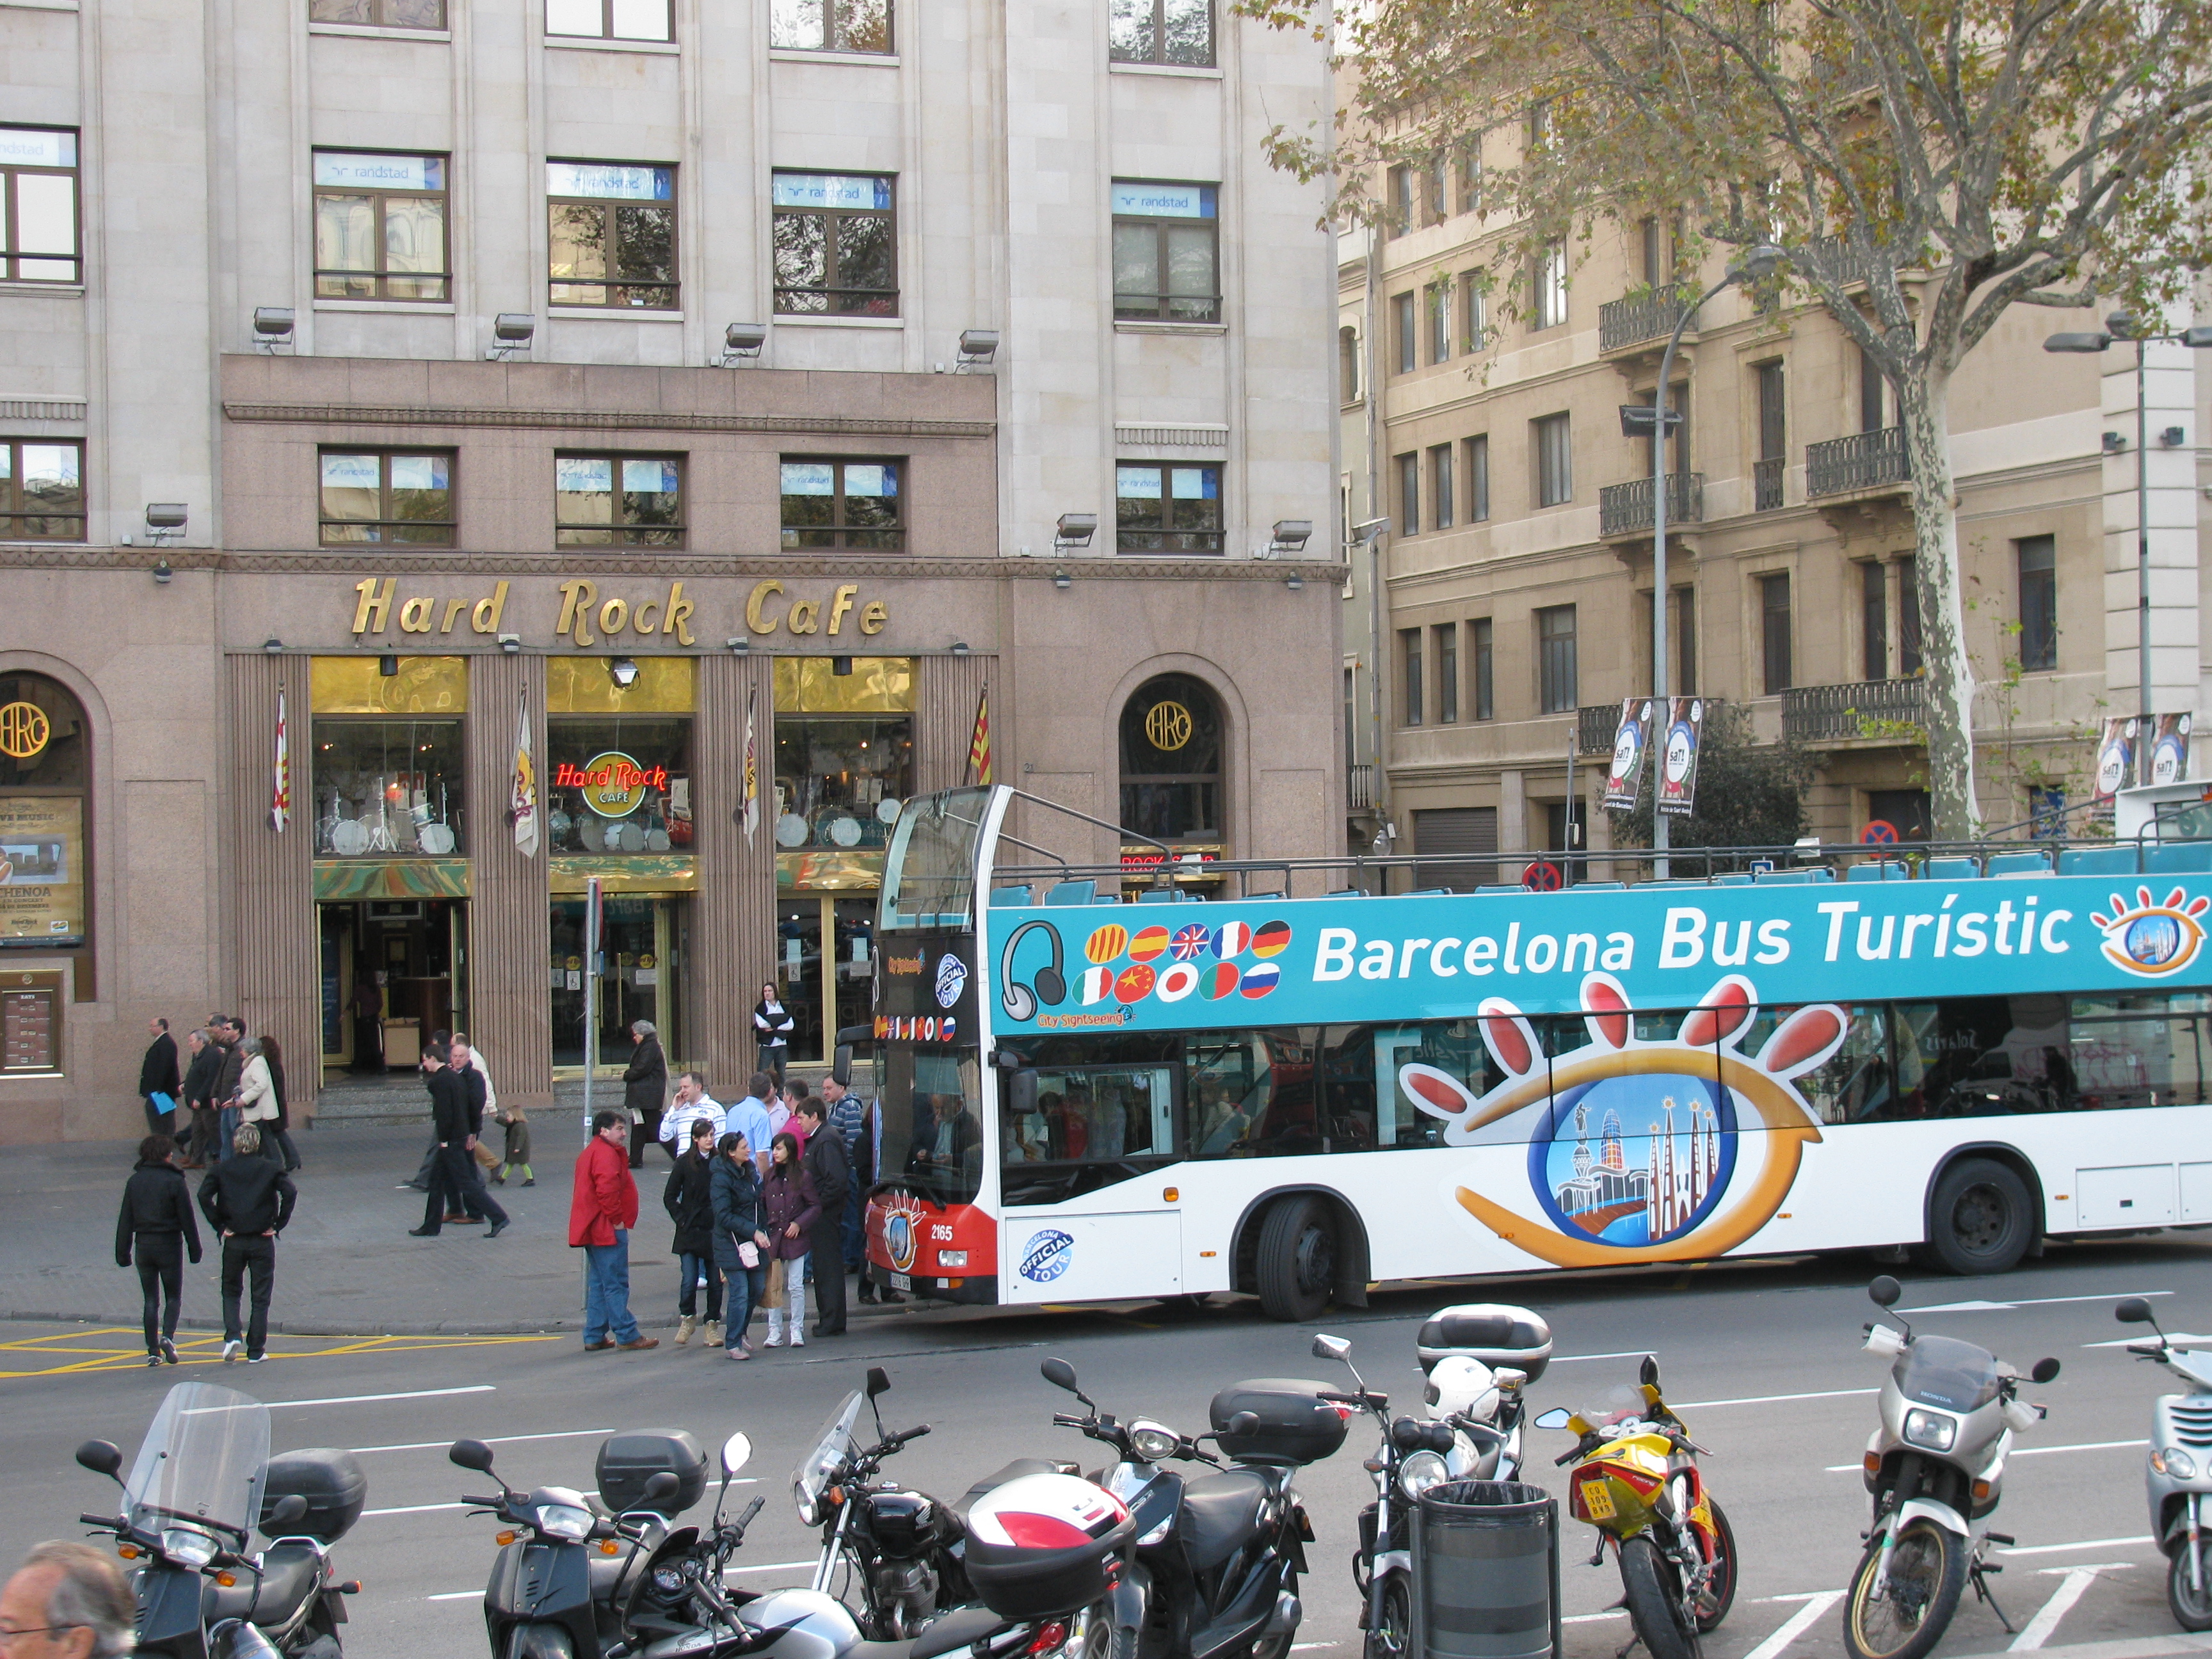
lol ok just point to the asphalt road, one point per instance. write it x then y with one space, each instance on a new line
1763 1360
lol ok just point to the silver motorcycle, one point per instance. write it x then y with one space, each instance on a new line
1935 1470
2179 1475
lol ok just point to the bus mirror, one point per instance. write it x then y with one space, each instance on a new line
841 1066
1022 1091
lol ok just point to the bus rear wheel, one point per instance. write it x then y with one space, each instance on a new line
1981 1219
1296 1263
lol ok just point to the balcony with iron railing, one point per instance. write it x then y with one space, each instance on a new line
1872 710
1766 483
1864 461
1648 316
1624 509
1595 725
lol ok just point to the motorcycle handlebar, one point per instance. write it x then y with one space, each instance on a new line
1068 1420
914 1433
1565 1458
486 1503
751 1509
112 1523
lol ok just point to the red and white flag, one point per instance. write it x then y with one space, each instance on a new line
749 812
522 787
280 791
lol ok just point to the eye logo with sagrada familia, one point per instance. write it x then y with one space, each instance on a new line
1634 1149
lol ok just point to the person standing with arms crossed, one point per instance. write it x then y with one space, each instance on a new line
772 1028
247 1200
602 1210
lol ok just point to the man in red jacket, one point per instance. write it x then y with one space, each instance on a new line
602 1209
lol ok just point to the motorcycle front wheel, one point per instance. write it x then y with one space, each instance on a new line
2191 1608
1395 1628
1720 1588
1654 1601
1927 1574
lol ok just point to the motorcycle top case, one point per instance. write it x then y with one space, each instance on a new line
331 1481
1297 1425
627 1461
1495 1333
1043 1544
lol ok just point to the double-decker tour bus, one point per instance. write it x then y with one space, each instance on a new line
1087 1099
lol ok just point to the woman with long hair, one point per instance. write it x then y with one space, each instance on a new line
787 1196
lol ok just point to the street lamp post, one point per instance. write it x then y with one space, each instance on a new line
2120 325
1758 264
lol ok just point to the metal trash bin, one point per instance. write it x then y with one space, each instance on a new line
1487 1571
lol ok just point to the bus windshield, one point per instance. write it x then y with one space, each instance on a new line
933 1137
929 875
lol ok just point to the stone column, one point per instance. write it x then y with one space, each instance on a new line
947 690
2170 400
510 896
273 876
733 927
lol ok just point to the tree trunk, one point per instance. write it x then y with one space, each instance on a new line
1923 408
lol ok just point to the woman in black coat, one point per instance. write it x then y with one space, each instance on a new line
689 1201
645 1086
740 1229
157 1225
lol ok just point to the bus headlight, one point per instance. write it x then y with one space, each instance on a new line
1932 1430
952 1258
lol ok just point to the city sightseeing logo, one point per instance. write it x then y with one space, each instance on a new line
1634 1144
2149 940
902 1230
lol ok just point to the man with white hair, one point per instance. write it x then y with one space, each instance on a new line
67 1601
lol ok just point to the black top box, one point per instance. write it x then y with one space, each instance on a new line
627 1461
1297 1425
331 1480
1496 1332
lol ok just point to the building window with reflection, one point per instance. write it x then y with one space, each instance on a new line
617 786
1171 744
387 788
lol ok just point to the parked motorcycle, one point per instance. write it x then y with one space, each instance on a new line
1935 1468
1213 1569
2179 1475
203 1481
1636 1482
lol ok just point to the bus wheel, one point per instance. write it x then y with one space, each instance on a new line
1297 1258
1981 1219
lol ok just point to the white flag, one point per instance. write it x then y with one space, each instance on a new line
522 791
750 815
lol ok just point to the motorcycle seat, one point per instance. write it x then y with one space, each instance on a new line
1013 1471
289 1574
952 1632
1219 1514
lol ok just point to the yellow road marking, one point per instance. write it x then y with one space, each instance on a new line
80 1352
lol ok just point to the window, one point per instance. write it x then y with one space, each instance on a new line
1872 400
1772 432
1161 32
1347 364
1172 760
1440 330
41 490
1409 495
1478 478
836 245
380 227
1478 637
1557 679
380 14
852 504
1400 188
1115 1119
390 497
590 508
1477 324
1555 474
1686 641
612 239
832 773
1166 252
1440 484
1774 614
358 811
608 20
1540 123
1167 509
1551 286
1409 670
2038 601
1447 673
43 797
2047 814
1469 158
830 25
1401 314
618 784
38 232
1435 201
1874 624
1648 237
1908 620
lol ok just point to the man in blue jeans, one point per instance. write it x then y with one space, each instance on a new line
602 1210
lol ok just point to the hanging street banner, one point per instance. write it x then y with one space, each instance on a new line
1630 740
1676 785
2116 755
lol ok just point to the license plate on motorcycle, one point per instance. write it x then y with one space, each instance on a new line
1597 1500
901 1281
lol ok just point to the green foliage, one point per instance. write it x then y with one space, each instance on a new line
1748 794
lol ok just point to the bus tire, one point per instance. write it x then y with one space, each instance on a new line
1296 1261
1980 1219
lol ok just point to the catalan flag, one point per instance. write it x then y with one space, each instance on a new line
979 746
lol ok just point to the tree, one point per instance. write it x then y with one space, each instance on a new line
1749 795
1956 157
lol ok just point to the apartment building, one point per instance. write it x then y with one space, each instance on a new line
1512 574
653 382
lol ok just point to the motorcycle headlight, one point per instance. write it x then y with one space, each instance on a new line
1932 1430
1421 1471
1152 1442
2174 1461
194 1549
565 1520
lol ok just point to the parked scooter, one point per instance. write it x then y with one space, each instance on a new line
1935 1467
1638 1482
1213 1567
2179 1475
201 1482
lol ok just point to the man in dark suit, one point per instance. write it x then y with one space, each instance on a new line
449 1116
157 1075
825 1160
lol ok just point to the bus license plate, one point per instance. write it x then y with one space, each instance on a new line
901 1281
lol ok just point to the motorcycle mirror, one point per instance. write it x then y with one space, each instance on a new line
1648 1373
2132 1310
1554 1418
1243 1423
472 1455
879 1381
101 1456
1885 1291
659 1490
2045 1370
287 1511
1059 1374
737 1452
1331 1348
840 1065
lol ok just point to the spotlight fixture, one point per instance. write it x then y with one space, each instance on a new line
1295 583
162 572
165 522
272 328
841 666
1074 530
1062 581
1364 533
388 665
273 646
1290 535
740 645
978 346
2172 437
959 648
511 331
2115 444
741 343
624 672
510 643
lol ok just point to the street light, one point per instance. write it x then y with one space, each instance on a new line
2120 325
1757 264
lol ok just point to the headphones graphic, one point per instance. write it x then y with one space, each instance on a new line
1019 1000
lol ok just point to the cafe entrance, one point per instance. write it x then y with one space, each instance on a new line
644 939
393 971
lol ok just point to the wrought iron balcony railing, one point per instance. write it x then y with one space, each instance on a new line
1864 708
1766 484
1623 509
1647 316
1865 460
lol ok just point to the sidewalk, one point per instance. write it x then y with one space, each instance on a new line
345 1267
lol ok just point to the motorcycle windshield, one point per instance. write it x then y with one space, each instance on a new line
831 1448
202 1461
1617 1409
1941 1370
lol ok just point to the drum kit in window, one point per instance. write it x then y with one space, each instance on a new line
398 817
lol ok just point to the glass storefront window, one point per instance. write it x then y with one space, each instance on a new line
619 786
839 782
387 788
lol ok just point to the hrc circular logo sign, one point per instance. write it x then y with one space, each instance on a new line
24 729
614 785
1047 1255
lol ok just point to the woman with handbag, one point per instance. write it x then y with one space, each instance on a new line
689 1199
741 1240
788 1198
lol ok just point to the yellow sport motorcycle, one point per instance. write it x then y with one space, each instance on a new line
1637 1482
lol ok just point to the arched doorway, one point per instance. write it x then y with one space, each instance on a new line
44 898
1172 763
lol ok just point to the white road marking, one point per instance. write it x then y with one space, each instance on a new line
2073 1582
2173 1339
1593 1617
457 1596
2018 1451
774 1567
1570 1359
372 1399
1796 1624
412 1508
2026 1302
494 1440
1769 1399
2086 1544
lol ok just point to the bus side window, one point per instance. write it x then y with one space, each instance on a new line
1853 1084
1983 1056
2147 1050
1452 1047
1228 1082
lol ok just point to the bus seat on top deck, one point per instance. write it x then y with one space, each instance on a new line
1071 892
1793 878
2019 864
1504 887
1158 895
1733 878
1003 897
1600 886
1878 870
2187 858
2097 861
1953 869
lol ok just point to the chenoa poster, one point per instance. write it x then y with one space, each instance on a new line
41 869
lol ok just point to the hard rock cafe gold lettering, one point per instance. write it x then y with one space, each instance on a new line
587 618
418 613
804 616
